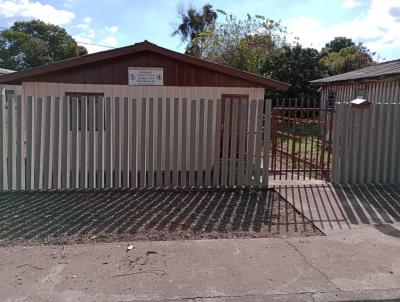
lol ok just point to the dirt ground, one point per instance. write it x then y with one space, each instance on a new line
88 216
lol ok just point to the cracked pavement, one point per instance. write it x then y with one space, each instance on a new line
361 263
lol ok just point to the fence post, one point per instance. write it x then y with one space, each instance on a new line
266 145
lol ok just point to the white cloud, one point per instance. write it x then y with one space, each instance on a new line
351 3
109 41
85 27
378 28
35 10
113 29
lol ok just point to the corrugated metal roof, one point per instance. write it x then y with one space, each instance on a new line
388 68
5 71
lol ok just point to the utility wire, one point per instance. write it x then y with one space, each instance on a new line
79 42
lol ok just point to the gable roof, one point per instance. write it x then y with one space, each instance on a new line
385 69
136 48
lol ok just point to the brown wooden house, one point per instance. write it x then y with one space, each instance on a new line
137 71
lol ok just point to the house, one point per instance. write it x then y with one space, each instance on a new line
6 89
378 83
143 70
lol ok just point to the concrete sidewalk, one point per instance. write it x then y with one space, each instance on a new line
361 263
337 208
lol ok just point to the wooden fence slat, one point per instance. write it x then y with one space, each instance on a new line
100 142
150 144
182 160
208 142
192 142
234 146
20 173
243 123
266 142
250 143
65 148
56 184
157 144
125 143
225 141
38 172
83 167
387 143
167 141
201 150
258 137
92 143
117 142
175 141
2 144
48 127
217 145
74 141
109 141
133 143
11 159
142 145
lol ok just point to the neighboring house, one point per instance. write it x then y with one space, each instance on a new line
6 89
379 83
143 70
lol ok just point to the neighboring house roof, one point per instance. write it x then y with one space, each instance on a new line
139 47
5 71
382 70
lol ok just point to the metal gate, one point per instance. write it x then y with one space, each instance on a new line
301 140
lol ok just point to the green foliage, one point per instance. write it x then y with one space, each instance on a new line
35 43
192 25
243 44
298 66
344 57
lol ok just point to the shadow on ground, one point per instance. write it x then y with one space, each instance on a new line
341 206
59 217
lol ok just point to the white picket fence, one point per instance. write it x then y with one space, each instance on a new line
366 144
67 143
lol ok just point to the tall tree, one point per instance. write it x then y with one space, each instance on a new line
243 43
192 24
343 55
35 43
297 66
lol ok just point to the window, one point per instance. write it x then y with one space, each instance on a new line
79 95
331 98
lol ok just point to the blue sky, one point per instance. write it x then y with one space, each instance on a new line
121 22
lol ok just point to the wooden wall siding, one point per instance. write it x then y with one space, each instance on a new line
378 91
366 144
115 72
40 89
153 142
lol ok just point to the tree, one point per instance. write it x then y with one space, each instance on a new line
35 43
244 44
337 44
297 66
192 24
343 55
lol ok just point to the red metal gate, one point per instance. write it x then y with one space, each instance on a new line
301 140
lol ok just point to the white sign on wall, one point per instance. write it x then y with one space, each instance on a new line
146 76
